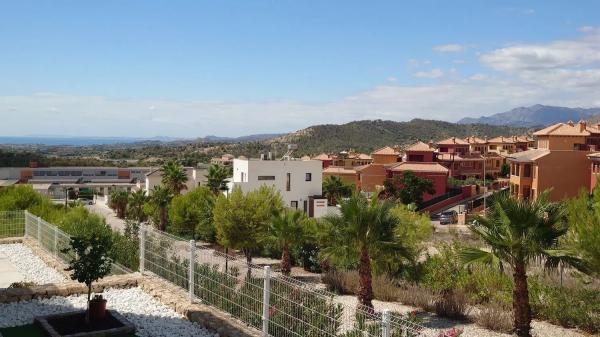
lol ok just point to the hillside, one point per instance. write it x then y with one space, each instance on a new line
368 135
535 115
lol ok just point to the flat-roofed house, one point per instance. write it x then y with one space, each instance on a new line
299 182
561 162
196 177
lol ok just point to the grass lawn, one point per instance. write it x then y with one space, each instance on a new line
28 331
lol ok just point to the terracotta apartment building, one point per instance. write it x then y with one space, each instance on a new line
562 162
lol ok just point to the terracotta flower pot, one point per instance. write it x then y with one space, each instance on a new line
97 309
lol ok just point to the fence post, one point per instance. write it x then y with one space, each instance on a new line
142 247
385 323
191 269
55 241
25 218
39 230
266 296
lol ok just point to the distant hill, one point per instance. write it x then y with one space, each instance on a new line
368 135
535 115
242 139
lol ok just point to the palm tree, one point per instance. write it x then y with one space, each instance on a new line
217 178
519 233
174 177
135 205
286 229
118 201
161 197
363 231
335 188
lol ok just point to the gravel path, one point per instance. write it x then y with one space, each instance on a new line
540 329
151 318
30 265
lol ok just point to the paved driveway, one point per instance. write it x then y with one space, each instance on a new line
108 214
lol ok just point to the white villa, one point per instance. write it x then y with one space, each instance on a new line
298 181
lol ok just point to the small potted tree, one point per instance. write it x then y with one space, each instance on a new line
91 263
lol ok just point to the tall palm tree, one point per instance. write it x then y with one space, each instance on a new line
174 176
161 197
335 188
519 233
217 178
286 229
135 205
118 201
363 231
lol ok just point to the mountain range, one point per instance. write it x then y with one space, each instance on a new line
535 116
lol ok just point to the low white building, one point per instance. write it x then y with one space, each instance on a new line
196 177
299 182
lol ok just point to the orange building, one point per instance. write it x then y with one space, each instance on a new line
560 163
435 172
366 178
385 155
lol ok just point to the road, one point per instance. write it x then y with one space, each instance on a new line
111 219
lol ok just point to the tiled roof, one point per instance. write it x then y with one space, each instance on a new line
564 129
452 141
419 167
339 170
305 158
362 156
475 140
529 155
420 146
386 150
502 140
363 167
323 156
524 139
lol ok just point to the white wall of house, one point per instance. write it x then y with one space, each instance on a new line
196 177
305 178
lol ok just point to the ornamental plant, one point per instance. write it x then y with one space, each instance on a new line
91 261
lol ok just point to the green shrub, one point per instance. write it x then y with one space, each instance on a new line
569 307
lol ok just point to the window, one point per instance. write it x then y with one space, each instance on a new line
308 177
527 170
305 206
294 204
243 176
288 184
266 177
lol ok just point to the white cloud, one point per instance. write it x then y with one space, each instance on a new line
433 73
449 48
557 54
562 63
562 72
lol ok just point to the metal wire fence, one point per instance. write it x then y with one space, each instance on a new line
12 224
49 237
275 304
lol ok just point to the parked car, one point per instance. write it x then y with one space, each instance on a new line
86 201
448 217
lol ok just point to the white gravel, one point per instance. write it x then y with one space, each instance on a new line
151 317
30 265
539 329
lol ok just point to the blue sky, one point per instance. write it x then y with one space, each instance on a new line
192 68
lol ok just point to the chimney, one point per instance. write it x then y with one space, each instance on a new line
453 139
582 125
570 123
430 143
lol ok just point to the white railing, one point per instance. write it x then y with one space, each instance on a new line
275 304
